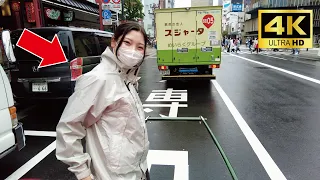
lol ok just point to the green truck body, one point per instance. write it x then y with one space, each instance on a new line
188 41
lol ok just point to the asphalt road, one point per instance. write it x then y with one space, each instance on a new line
264 110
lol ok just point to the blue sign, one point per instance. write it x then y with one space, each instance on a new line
236 8
106 1
106 14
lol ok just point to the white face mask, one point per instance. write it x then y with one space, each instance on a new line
129 57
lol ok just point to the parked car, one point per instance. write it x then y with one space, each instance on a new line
11 131
82 47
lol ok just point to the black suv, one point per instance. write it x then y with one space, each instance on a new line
82 47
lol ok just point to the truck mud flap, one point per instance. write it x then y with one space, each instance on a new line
189 77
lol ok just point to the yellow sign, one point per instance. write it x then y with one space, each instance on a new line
285 28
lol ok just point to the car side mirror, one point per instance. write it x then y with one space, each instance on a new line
8 48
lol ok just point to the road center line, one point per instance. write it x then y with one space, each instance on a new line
280 69
267 162
32 162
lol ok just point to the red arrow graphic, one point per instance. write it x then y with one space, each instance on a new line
50 53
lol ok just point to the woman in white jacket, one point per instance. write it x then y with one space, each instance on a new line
105 109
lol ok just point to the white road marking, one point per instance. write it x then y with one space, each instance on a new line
162 115
32 162
168 95
282 70
147 110
274 57
174 106
267 162
163 81
40 133
177 158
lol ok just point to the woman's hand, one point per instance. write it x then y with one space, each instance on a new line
87 178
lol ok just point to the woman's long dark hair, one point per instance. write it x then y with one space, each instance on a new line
124 29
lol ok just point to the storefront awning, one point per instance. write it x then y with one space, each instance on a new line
76 5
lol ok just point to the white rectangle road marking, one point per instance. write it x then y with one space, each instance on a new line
282 70
32 162
267 162
177 158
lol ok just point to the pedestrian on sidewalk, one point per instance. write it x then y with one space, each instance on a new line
106 110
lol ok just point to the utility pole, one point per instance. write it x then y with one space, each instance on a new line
122 9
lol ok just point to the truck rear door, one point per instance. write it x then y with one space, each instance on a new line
184 36
164 38
28 63
208 35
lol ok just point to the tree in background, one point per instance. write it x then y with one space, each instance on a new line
133 10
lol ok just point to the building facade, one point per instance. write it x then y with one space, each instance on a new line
252 7
149 19
195 3
19 14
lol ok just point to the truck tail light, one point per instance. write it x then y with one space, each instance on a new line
76 68
163 67
13 114
213 66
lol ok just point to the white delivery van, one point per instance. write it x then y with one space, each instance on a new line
11 132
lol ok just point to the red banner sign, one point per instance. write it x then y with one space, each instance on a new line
31 16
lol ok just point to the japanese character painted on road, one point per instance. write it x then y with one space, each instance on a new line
184 44
168 95
188 44
192 31
169 32
177 32
200 31
186 32
170 45
194 44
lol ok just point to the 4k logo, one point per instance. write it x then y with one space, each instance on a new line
285 29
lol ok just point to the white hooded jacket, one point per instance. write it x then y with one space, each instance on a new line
105 110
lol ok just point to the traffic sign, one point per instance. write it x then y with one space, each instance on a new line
116 1
106 14
106 1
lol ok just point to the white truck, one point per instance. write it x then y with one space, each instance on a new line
11 131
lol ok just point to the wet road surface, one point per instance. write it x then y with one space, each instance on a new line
265 119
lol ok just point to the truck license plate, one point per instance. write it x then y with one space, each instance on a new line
40 87
165 72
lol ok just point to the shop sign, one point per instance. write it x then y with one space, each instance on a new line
114 5
107 21
31 15
52 13
15 6
68 16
